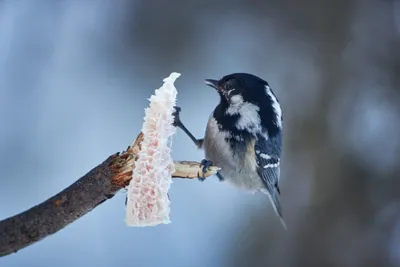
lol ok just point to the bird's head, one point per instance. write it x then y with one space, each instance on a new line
239 88
249 97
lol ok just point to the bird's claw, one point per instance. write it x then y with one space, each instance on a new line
177 120
205 164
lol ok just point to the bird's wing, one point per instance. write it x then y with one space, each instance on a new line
269 171
267 157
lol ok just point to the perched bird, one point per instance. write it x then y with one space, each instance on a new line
244 135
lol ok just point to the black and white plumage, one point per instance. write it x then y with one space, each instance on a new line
244 135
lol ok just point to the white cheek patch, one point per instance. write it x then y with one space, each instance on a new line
235 105
249 118
237 99
276 106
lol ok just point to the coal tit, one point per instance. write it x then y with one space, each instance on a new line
244 135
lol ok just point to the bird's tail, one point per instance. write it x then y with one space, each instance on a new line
273 197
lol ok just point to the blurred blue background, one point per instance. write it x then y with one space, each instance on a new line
75 77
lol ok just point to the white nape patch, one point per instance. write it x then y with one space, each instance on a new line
271 165
265 156
275 105
257 151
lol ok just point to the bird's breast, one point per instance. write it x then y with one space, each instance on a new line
216 147
239 171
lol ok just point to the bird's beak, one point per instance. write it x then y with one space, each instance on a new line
211 83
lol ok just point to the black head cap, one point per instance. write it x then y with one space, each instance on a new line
249 86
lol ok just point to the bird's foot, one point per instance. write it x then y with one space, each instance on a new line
205 164
177 120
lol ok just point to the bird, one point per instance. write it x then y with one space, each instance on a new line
244 136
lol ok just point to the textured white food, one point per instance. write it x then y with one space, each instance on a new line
147 197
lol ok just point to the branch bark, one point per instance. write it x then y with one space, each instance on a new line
94 188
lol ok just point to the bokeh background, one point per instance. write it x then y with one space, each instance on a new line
75 77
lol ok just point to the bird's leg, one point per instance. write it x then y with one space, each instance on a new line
178 123
198 142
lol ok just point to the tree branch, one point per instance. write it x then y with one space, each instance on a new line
95 187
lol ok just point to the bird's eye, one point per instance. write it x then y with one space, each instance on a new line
228 87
